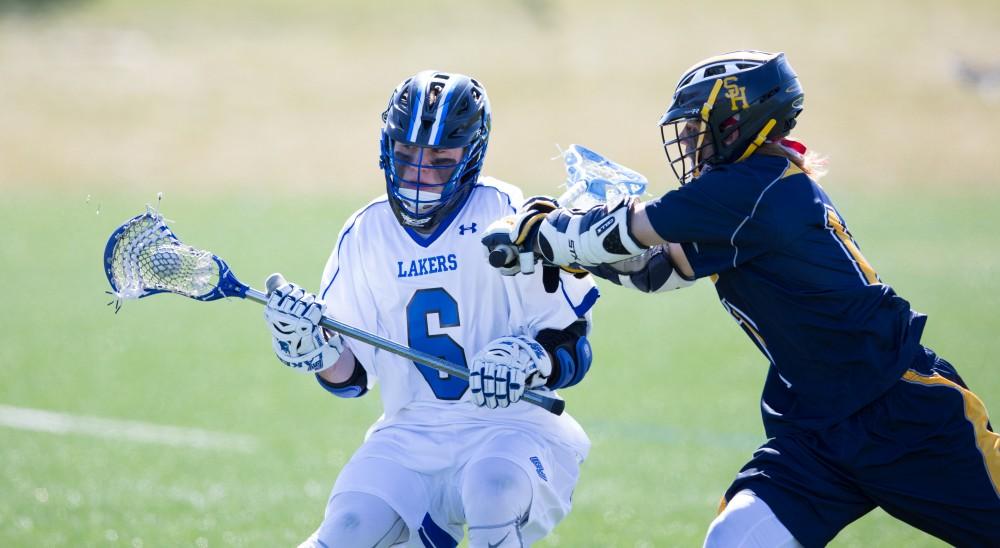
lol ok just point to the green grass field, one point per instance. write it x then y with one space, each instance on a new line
258 120
671 404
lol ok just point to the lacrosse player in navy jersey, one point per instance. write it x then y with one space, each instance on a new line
409 267
857 412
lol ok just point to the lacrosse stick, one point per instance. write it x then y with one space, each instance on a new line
591 180
144 257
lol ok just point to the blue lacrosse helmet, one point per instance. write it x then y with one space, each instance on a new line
434 136
727 106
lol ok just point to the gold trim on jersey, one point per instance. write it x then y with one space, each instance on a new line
792 169
750 329
748 325
836 226
975 412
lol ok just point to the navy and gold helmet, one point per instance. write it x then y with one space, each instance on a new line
725 107
434 136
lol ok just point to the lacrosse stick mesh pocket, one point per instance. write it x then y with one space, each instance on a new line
592 179
147 258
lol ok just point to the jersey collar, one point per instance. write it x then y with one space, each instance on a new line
425 240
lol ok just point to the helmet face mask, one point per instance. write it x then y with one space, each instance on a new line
424 179
434 137
688 145
725 107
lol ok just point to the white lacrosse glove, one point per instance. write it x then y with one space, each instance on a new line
293 316
510 243
599 235
505 368
514 236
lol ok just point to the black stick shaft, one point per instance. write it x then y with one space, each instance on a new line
553 405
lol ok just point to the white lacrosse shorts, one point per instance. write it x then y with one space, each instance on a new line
419 473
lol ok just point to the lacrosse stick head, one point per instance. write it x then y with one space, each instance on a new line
592 179
144 257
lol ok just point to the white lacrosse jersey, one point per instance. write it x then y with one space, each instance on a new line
437 293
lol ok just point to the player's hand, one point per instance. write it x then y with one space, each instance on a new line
505 368
293 317
597 236
510 240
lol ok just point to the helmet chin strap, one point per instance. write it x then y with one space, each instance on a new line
758 140
706 110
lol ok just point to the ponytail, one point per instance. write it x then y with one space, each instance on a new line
813 164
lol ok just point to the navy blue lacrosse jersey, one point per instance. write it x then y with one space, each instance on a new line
788 270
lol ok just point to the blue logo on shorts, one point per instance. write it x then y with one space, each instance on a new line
539 468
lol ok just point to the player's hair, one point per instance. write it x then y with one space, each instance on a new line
812 163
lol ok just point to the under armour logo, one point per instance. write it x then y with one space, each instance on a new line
463 228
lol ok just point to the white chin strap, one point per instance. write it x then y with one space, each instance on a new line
428 200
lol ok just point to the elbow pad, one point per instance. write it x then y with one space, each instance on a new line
354 387
571 352
651 272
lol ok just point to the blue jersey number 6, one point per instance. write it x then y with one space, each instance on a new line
424 303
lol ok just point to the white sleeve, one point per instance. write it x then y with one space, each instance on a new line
534 309
348 298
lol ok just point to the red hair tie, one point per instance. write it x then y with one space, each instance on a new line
794 145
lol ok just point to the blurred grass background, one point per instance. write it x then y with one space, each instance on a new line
258 121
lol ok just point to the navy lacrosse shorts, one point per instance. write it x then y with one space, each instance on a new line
924 452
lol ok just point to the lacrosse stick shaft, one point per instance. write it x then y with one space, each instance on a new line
553 405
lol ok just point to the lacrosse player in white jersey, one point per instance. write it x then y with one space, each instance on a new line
447 453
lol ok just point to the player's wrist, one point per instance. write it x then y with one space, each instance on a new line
343 371
640 227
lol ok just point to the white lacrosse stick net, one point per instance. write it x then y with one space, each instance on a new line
144 257
592 179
